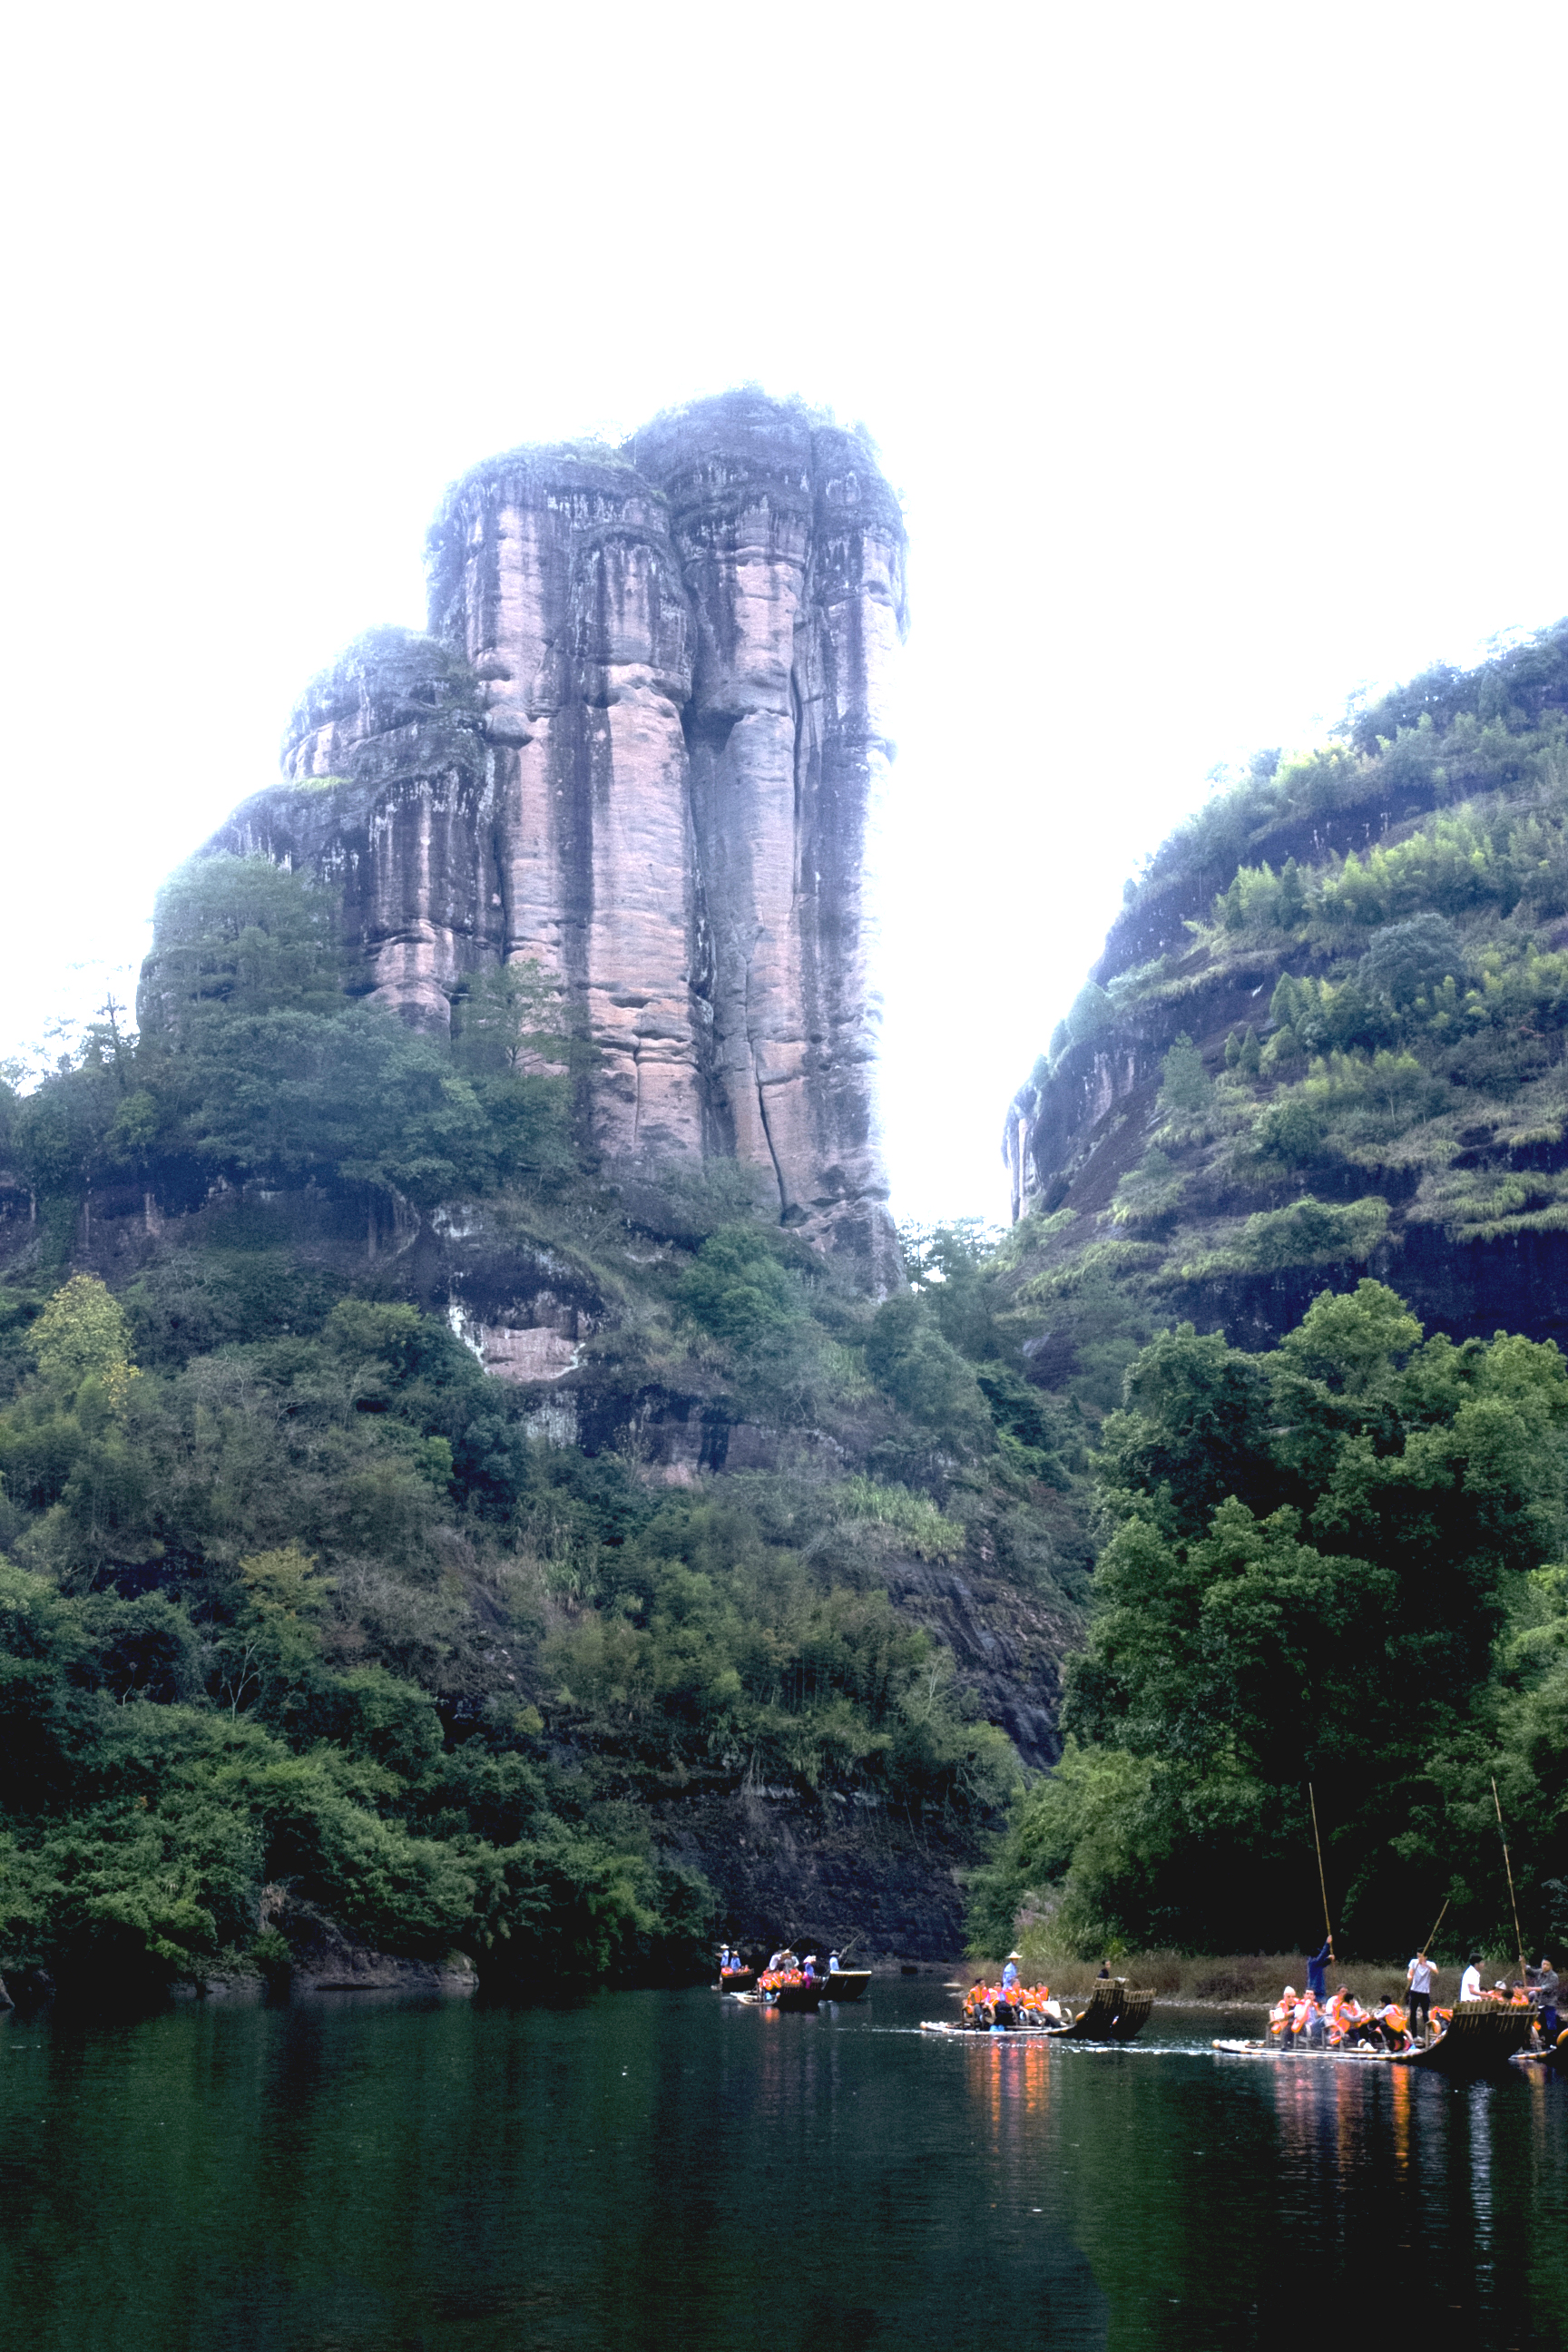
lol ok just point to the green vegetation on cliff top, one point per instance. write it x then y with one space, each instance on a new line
1353 1044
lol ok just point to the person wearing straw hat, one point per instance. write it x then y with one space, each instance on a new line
1010 1975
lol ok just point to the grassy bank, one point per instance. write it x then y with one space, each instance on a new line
1249 1980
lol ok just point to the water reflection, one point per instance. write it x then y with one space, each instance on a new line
1479 2120
655 2171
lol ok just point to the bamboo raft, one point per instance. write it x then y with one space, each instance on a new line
1115 2012
1482 2038
847 1984
1360 2054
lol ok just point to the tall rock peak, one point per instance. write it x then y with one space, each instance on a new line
642 743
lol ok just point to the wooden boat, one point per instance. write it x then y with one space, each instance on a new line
848 1984
1483 2038
1116 2012
736 1979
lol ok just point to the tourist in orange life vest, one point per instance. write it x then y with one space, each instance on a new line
1280 2014
977 2003
1359 2024
1393 2024
1004 1996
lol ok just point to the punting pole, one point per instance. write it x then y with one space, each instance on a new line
1317 1841
1426 1948
1519 1940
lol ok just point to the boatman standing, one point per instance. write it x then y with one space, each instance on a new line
1010 1976
1418 1976
1317 1982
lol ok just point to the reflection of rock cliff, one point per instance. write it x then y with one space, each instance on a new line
641 743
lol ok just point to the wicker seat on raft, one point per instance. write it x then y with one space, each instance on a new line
1115 2013
1483 2037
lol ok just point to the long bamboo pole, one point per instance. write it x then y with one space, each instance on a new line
1317 1841
1519 1940
1425 1951
1437 1923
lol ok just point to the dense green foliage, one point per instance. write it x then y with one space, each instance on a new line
1399 1070
1330 1566
294 1592
253 1063
1330 1561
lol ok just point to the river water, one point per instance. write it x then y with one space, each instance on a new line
670 2170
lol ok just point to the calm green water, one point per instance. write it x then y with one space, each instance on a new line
669 2170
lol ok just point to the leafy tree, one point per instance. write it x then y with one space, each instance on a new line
1187 1090
240 936
510 1021
924 1374
82 1334
738 1289
1409 960
1312 1555
1089 1014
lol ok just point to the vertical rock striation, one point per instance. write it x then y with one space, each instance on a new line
643 742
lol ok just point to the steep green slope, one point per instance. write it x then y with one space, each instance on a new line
1328 1042
1326 1037
300 1591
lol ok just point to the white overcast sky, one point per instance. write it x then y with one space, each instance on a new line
1217 352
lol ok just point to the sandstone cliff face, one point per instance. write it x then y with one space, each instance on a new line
643 743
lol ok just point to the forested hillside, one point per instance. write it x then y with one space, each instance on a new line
299 1595
1298 1152
412 1518
1327 1037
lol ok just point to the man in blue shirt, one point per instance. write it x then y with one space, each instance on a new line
1317 1983
1010 1975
